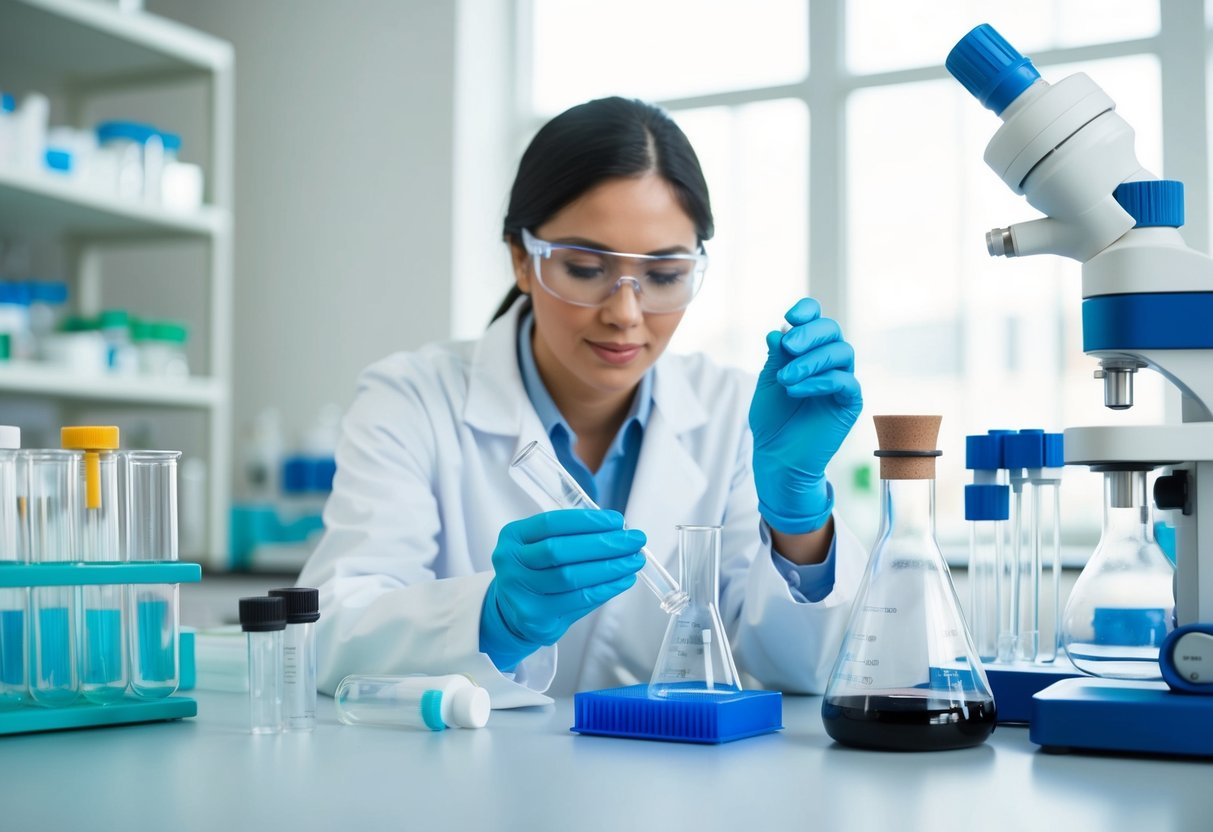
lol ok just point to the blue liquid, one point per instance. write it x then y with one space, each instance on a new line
54 682
12 647
104 676
157 654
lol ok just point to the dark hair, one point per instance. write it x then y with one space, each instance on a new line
592 142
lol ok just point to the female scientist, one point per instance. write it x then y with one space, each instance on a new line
435 561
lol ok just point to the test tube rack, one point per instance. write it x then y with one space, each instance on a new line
30 717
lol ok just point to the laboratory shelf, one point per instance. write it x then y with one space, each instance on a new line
198 393
46 205
57 43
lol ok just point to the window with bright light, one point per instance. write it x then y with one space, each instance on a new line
895 226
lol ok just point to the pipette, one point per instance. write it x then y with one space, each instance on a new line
545 479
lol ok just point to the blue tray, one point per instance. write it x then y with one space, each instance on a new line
698 718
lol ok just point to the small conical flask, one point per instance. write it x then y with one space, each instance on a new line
1123 604
907 676
695 656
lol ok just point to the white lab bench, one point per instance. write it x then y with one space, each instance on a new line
527 771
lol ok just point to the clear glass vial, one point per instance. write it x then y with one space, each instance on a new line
151 535
299 655
264 619
430 703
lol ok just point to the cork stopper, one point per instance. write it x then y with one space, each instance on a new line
907 446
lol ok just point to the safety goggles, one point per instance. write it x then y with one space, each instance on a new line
586 276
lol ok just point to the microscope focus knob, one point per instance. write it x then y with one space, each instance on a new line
1171 491
1153 202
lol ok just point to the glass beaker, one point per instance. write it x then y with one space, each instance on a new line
52 518
14 641
151 535
907 675
103 669
695 656
1123 604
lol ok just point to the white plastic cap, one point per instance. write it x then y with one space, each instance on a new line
470 707
10 437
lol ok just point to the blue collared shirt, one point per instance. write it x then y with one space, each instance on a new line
610 485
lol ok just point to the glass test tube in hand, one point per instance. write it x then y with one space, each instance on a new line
544 477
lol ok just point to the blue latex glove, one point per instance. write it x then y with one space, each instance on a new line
806 401
551 569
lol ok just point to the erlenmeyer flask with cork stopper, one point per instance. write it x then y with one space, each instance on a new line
907 676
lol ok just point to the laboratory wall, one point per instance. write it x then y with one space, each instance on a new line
344 155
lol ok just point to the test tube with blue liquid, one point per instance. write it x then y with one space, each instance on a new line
52 500
14 640
545 479
151 535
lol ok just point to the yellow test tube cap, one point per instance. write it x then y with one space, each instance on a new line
90 439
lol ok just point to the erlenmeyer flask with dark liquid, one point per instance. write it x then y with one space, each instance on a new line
907 675
695 657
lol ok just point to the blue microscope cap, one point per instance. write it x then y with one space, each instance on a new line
1025 449
990 68
1156 202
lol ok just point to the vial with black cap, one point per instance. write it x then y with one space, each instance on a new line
299 655
264 619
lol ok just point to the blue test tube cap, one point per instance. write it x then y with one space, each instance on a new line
983 452
990 68
1025 449
1055 450
1000 434
987 502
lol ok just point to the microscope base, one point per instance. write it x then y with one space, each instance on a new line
1014 685
1088 714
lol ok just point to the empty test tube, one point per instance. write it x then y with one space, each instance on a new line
544 477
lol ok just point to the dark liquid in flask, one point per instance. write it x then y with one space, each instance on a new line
907 723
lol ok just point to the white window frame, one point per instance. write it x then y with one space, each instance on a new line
1181 47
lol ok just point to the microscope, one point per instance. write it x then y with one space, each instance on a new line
1147 304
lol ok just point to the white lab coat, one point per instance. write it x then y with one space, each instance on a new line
422 491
